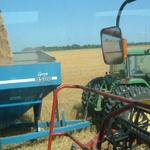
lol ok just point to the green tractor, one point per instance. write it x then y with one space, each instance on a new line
129 74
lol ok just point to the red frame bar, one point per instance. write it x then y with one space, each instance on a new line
96 141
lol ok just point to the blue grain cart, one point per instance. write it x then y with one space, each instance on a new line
24 83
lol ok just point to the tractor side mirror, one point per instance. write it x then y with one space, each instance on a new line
112 45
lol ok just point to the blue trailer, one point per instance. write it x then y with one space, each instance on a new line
23 85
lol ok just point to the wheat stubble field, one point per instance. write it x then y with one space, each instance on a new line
78 67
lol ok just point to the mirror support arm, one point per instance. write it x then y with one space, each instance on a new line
120 11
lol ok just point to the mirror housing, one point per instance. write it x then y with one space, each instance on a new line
112 45
125 48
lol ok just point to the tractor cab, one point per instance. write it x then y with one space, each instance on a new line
138 63
135 66
124 63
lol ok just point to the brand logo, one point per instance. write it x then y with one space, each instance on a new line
43 77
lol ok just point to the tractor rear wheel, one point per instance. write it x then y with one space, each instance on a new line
143 121
132 91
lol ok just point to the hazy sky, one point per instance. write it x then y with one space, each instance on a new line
63 22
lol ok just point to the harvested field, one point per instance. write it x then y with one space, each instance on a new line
78 67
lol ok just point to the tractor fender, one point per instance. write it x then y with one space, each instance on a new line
136 81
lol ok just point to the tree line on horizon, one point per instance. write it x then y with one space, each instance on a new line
73 47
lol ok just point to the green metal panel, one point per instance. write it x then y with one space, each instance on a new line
134 52
138 81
